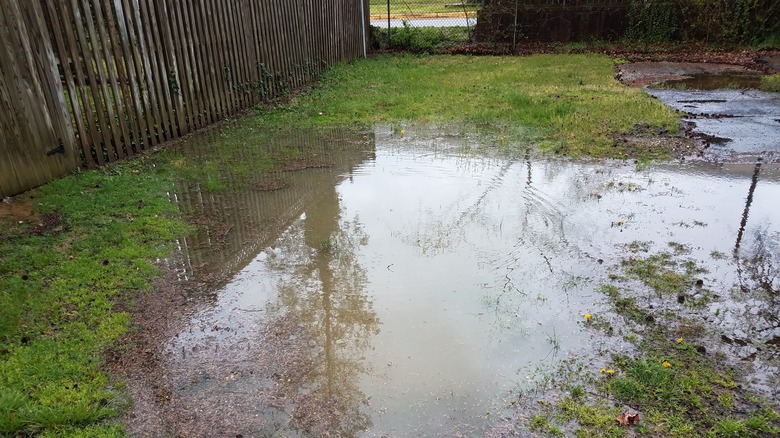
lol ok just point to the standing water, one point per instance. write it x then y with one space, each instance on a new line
412 281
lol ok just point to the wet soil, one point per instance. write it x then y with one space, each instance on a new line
18 208
223 408
644 73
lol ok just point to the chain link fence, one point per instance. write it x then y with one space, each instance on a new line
423 25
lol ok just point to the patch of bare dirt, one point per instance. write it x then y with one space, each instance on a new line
644 141
644 73
18 208
680 146
20 219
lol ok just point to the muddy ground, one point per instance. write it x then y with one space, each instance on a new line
648 71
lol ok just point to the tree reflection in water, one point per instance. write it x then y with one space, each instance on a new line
328 320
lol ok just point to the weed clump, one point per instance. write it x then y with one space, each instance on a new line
771 83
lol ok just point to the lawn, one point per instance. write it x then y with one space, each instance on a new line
569 104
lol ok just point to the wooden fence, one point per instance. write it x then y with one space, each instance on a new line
89 82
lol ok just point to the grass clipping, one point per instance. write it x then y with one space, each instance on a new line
569 104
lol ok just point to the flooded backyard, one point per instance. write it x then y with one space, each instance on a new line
413 281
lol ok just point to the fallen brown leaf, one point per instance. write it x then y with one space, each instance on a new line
628 418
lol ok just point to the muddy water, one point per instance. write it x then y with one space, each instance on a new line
412 286
737 121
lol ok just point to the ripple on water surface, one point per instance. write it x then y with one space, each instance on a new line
407 288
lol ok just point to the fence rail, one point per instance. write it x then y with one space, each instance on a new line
89 82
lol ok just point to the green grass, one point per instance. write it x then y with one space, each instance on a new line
569 104
60 275
663 273
771 83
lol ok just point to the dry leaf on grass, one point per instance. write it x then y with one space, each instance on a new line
628 418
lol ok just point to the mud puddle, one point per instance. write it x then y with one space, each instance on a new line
733 119
736 125
709 81
411 286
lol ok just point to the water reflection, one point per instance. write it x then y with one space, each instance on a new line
323 292
250 210
280 348
746 212
404 290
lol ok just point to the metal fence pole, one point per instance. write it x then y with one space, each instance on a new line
363 24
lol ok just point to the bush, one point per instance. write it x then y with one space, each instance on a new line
713 21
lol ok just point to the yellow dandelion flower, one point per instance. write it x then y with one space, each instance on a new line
666 364
610 371
588 316
602 371
679 340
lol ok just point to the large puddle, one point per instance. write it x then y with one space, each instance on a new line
409 287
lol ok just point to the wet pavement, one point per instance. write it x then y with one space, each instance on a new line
410 287
736 124
733 120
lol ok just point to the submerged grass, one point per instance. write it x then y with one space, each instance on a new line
568 104
679 387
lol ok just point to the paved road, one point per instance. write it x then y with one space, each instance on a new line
426 22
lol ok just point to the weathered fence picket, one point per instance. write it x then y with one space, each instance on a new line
84 83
